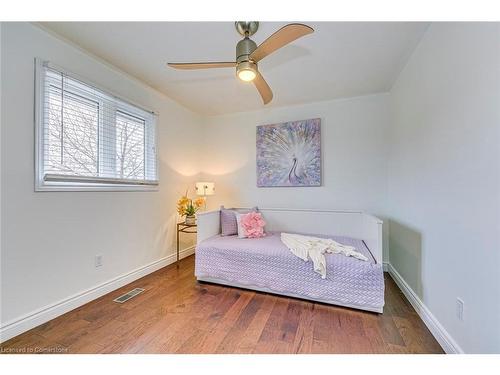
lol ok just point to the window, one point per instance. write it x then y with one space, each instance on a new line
88 139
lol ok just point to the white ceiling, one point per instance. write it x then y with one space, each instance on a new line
339 60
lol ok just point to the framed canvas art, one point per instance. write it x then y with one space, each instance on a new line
289 154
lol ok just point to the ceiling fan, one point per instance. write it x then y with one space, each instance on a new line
248 54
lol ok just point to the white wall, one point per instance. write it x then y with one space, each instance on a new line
49 239
444 179
354 138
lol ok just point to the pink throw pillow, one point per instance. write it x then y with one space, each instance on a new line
253 224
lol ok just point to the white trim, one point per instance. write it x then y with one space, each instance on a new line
38 118
96 180
31 320
385 266
64 187
442 336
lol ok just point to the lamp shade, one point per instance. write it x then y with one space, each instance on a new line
205 188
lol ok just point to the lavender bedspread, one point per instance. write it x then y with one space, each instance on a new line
267 262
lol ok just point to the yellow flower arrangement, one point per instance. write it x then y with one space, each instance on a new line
198 202
187 207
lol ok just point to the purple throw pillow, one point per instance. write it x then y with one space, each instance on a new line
228 223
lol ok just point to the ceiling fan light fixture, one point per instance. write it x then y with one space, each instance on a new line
246 71
248 54
246 75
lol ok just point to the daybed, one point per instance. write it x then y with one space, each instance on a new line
266 264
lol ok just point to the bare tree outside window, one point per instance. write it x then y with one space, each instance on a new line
129 146
72 139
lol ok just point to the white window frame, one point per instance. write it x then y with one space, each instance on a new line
48 182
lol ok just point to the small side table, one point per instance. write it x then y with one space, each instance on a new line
184 228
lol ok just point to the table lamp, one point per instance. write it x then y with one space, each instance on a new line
204 189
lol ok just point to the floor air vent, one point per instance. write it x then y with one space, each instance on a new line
129 295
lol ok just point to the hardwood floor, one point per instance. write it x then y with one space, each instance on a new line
178 315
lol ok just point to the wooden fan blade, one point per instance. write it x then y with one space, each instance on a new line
202 65
280 38
263 87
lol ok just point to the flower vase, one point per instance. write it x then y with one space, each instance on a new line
190 220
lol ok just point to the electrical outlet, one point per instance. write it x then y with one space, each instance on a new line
460 309
98 261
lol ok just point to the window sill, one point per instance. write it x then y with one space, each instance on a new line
48 187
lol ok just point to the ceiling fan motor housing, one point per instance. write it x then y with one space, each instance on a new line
243 50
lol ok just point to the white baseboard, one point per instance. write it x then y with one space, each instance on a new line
385 266
24 323
442 336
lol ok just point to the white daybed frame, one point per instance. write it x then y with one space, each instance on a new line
353 224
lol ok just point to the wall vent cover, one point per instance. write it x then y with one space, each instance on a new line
129 295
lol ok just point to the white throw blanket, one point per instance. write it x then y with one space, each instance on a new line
306 247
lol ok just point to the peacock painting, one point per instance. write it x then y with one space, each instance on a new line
289 154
